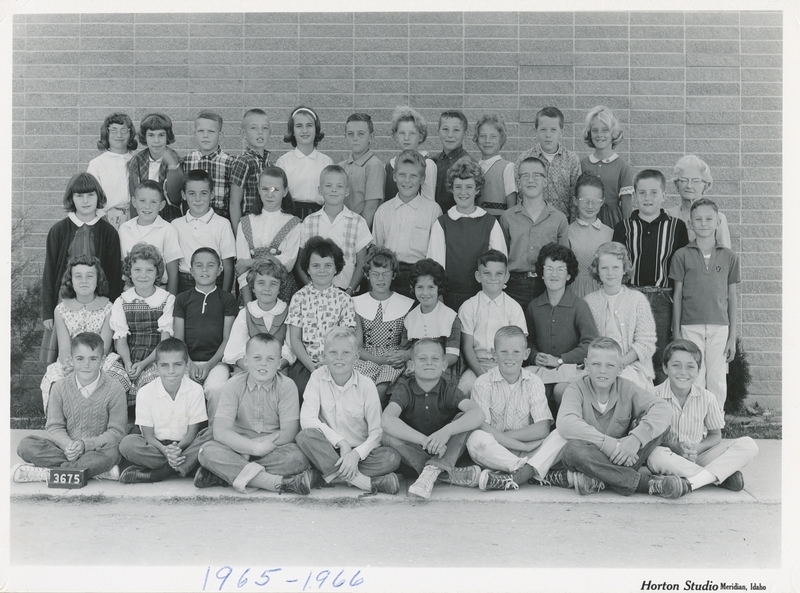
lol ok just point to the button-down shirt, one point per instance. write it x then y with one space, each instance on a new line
258 408
303 172
562 174
245 172
218 165
350 413
563 331
444 197
209 230
405 227
691 422
511 406
316 312
481 317
437 247
366 176
170 418
87 390
111 170
526 237
160 234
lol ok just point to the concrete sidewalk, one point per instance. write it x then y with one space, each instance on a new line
762 485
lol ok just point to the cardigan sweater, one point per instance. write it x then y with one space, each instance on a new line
563 331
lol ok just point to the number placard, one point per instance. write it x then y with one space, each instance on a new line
66 478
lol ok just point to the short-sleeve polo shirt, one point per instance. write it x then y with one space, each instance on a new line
204 320
424 411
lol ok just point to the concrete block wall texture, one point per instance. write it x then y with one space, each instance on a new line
708 83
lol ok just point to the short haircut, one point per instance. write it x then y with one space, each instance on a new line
83 183
210 115
156 121
605 115
381 257
588 179
428 267
683 346
405 113
619 251
424 341
703 202
302 109
553 112
255 111
265 338
454 114
507 332
531 159
465 168
171 345
200 250
151 185
557 252
650 174
120 119
603 343
493 255
361 117
287 204
323 248
412 157
68 290
495 120
197 175
144 252
343 333
268 266
692 161
334 170
91 340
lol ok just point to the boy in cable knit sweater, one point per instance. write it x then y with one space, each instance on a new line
86 419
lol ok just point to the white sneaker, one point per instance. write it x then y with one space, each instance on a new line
424 484
27 472
112 474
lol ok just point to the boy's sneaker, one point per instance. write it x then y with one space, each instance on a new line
734 482
585 484
555 477
135 474
111 475
467 477
490 480
299 484
22 473
315 479
388 484
669 486
204 478
424 484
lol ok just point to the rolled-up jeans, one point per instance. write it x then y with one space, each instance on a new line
138 451
414 456
323 456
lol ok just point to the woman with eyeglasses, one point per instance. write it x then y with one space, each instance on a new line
692 177
587 232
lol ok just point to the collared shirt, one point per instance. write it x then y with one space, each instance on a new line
428 189
154 168
526 237
303 172
442 322
160 234
244 172
79 223
170 418
209 230
87 390
405 227
316 312
481 317
111 170
651 246
563 331
705 283
348 230
258 408
426 411
203 317
366 176
237 341
350 413
692 421
437 247
444 197
218 165
723 233
265 227
597 224
511 407
160 298
562 173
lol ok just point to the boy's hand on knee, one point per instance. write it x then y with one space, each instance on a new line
626 451
348 464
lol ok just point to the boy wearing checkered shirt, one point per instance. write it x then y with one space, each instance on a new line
246 169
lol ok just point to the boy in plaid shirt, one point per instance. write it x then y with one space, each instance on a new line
247 167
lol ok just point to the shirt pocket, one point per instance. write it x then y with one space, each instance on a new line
419 237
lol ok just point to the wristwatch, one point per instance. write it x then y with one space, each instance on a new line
560 361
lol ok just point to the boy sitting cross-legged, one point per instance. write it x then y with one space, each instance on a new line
86 418
517 420
341 410
169 412
693 446
428 421
612 426
257 419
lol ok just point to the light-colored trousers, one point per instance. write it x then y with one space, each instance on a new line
711 340
488 453
212 387
721 460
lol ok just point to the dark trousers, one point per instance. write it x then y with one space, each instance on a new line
416 457
300 375
661 306
323 456
402 282
523 289
42 452
138 451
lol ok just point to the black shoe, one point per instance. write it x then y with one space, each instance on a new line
299 484
205 479
734 482
136 474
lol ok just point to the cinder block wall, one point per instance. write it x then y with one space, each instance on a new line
708 83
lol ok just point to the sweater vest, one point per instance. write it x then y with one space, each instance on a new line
466 239
493 194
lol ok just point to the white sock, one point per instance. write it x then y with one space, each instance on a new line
704 478
266 481
361 482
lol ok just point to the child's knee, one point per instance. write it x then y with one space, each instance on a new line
478 441
748 445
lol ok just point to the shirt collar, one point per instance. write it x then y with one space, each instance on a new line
499 300
360 161
259 313
663 216
567 300
205 218
299 154
598 224
417 390
489 162
214 154
593 159
79 223
693 244
90 388
454 214
413 203
539 151
186 384
252 385
325 375
261 157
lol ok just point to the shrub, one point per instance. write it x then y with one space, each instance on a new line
738 380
